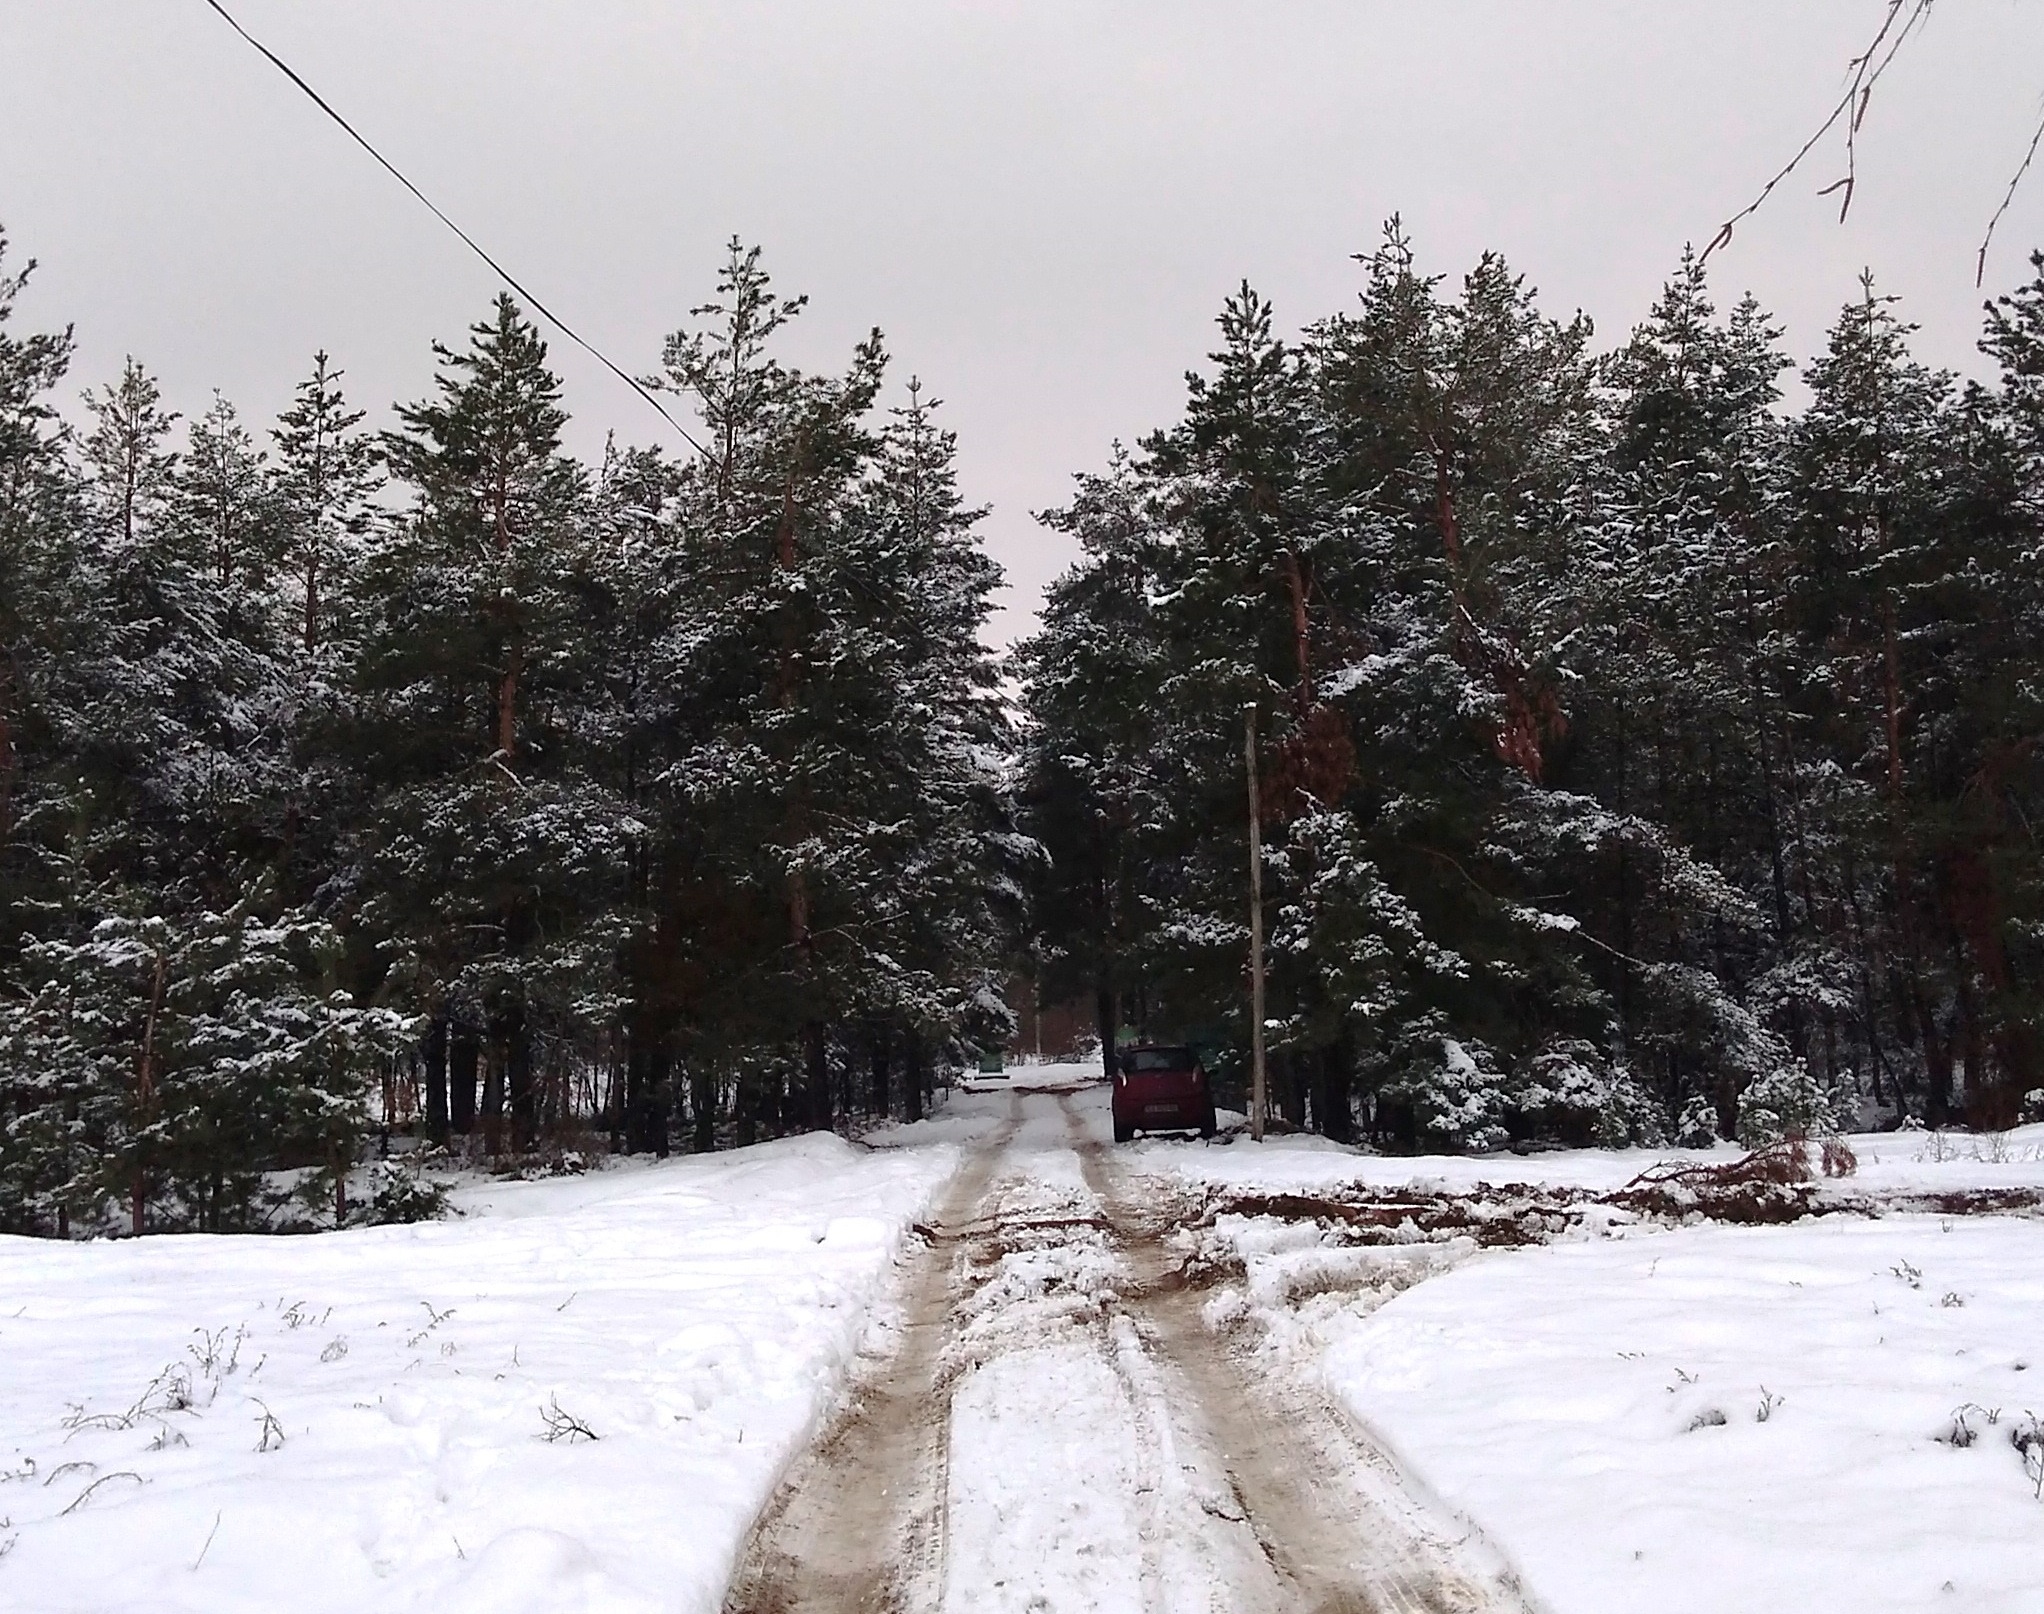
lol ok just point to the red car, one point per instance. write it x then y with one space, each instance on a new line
1161 1088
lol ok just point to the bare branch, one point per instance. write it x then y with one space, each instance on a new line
2030 156
562 1425
1864 72
104 1479
271 1430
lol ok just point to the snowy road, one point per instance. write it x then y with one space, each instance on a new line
1048 1423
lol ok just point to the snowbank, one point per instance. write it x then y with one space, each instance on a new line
1889 1162
1717 1419
359 1420
1708 1419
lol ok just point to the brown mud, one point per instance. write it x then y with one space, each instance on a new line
857 1526
1332 1512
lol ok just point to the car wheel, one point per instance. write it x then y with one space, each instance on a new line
1123 1132
1207 1126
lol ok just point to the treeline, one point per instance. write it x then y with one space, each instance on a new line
1643 757
664 794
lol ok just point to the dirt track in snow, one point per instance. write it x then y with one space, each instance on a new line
861 1517
1047 1423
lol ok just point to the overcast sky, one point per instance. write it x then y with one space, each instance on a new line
1041 204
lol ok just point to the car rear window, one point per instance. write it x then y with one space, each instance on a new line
1157 1059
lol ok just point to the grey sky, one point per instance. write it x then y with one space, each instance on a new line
1042 204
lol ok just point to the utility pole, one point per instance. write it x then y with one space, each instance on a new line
1256 1080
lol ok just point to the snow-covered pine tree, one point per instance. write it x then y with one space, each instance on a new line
326 475
777 788
175 1060
1683 725
1455 432
1873 470
45 618
948 863
1090 680
491 858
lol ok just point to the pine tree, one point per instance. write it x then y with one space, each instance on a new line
128 457
1091 680
178 1059
940 821
786 455
1685 727
490 853
496 499
326 475
44 613
225 502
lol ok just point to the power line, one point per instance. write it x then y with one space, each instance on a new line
468 240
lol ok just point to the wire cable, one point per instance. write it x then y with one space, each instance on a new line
468 240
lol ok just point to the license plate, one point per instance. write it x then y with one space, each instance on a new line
1160 1109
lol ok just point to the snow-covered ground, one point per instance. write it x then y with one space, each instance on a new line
694 1316
1715 1420
1889 1162
1703 1419
359 1420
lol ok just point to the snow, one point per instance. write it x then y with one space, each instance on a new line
1705 1419
1047 1491
1720 1419
1074 1480
696 1316
1039 1475
356 1420
1889 1163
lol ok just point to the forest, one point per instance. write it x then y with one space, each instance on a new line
1647 738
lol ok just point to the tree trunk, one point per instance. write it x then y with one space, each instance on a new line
1295 582
9 764
507 702
1333 1102
703 1102
493 1096
1937 1061
436 1078
791 1101
518 1078
1994 1093
1291 1085
1726 1098
659 1095
463 1050
746 1105
1107 1017
877 1041
145 1086
816 1070
514 651
638 1134
312 593
915 1073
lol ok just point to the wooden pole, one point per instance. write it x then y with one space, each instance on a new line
1257 1087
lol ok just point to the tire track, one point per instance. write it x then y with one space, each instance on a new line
858 1525
1332 1512
1243 1492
